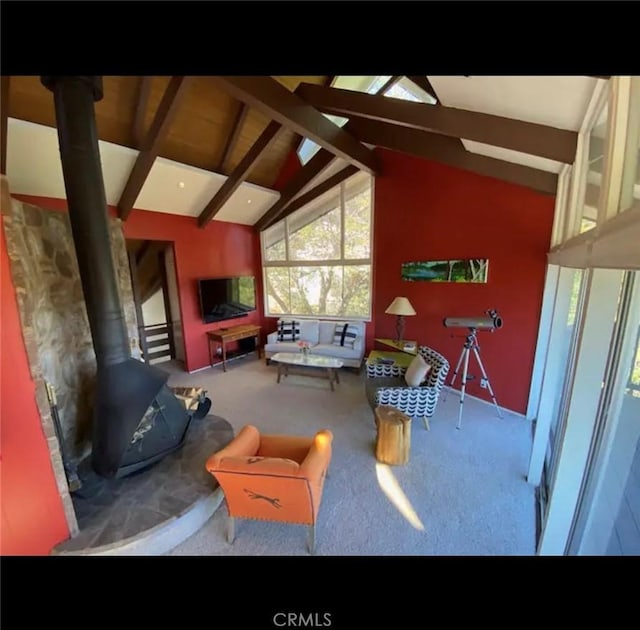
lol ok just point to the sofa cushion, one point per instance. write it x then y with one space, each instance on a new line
417 371
325 335
282 346
339 352
288 330
309 330
345 334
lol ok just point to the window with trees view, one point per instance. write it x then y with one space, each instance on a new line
317 261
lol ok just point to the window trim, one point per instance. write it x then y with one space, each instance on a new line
368 182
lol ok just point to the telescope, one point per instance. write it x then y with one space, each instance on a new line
491 321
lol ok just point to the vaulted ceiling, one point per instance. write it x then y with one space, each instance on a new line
212 147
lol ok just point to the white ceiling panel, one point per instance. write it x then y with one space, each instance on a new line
508 155
557 101
171 187
247 204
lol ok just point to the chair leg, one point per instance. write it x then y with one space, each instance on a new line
426 423
230 530
311 541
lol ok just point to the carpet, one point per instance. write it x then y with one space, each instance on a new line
463 492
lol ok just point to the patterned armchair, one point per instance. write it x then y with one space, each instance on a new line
386 385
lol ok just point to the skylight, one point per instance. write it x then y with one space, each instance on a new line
403 89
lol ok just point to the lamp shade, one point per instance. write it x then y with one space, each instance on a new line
400 306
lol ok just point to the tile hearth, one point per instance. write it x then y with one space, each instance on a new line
124 509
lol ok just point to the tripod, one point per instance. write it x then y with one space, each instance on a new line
471 344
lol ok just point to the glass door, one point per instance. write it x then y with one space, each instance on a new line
608 517
564 354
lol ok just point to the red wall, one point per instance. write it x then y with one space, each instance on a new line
32 516
33 520
428 211
220 249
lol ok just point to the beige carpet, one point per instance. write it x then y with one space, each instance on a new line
462 492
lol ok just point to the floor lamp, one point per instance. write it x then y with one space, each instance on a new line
401 307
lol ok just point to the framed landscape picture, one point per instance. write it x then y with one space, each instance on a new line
467 270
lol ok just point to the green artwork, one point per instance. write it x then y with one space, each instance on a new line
470 270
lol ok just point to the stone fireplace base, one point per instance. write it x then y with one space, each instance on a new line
128 513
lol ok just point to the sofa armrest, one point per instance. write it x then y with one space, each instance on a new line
244 444
315 466
318 458
272 337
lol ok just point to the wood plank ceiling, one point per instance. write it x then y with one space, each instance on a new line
245 127
202 130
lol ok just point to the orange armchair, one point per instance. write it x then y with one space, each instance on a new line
273 477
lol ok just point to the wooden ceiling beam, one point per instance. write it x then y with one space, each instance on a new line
316 191
151 146
313 168
287 108
144 90
424 84
232 138
318 163
4 118
440 148
389 84
241 172
509 133
291 200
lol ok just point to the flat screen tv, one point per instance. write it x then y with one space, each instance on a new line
226 298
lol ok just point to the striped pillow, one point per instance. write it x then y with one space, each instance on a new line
288 330
345 335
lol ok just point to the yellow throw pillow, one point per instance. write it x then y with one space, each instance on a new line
417 371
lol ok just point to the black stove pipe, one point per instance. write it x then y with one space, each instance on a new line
125 387
82 170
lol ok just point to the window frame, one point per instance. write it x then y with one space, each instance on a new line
343 190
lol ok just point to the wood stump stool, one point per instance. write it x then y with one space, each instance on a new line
394 436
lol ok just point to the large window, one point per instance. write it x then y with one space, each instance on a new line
564 352
608 521
591 361
317 261
594 169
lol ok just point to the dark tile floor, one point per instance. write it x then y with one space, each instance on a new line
123 508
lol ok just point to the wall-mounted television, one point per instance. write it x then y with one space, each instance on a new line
226 298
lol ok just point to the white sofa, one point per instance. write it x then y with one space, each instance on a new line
320 336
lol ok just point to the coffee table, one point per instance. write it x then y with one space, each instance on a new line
320 364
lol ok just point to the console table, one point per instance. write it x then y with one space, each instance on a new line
222 336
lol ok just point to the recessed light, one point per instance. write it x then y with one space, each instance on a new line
180 184
248 200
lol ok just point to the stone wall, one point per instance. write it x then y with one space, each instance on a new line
53 316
